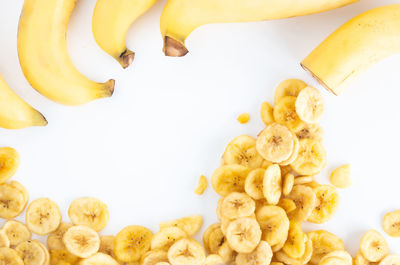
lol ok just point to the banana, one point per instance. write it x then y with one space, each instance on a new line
213 259
311 158
288 183
32 253
180 17
9 256
272 184
242 151
285 113
369 37
243 234
229 178
12 201
391 223
43 54
267 113
391 260
305 199
304 259
237 205
131 243
62 255
190 224
16 232
111 22
274 224
326 205
4 240
340 177
288 88
43 216
166 237
309 105
186 252
99 259
153 257
262 255
310 131
275 143
253 184
90 212
54 240
323 243
82 241
295 245
373 246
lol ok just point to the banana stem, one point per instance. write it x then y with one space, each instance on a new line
126 58
174 48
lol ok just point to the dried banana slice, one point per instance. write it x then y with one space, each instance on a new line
287 204
295 153
201 186
262 255
391 223
190 224
253 184
4 241
237 205
99 259
16 232
283 257
213 259
9 256
305 199
310 131
301 180
272 184
230 178
285 113
166 237
340 177
43 216
243 234
373 246
310 105
288 183
12 201
311 158
153 257
267 113
390 260
132 242
295 244
242 151
62 255
54 240
31 253
289 87
341 254
107 246
186 251
89 212
213 238
82 241
9 161
360 260
326 205
227 253
22 189
275 143
243 118
323 243
274 224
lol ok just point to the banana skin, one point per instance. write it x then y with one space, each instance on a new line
356 45
180 17
111 22
43 54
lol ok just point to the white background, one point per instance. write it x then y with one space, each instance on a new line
170 119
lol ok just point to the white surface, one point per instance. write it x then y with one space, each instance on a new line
169 120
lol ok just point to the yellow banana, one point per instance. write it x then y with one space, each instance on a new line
111 21
44 58
351 49
16 113
181 17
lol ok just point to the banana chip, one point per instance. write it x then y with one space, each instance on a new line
262 255
285 113
373 246
153 257
267 113
323 243
22 189
391 260
54 240
213 238
340 177
230 178
288 183
186 252
243 118
89 212
242 151
190 224
226 253
166 237
9 161
9 256
274 224
326 205
332 257
12 201
132 242
201 186
213 259
82 241
309 105
301 180
305 199
360 260
62 255
304 259
4 241
43 216
311 158
295 153
32 253
391 223
310 131
272 184
295 245
237 205
243 234
253 184
16 232
289 87
99 259
287 204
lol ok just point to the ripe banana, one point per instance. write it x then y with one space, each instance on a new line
181 17
44 58
110 23
351 49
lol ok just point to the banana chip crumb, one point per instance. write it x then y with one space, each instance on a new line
201 186
340 177
243 118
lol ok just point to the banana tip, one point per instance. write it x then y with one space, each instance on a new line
174 48
110 87
126 58
318 79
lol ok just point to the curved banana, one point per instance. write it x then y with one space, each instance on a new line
111 22
355 46
181 17
16 113
44 58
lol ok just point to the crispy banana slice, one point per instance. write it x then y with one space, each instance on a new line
166 237
82 241
275 143
229 178
305 199
242 151
341 254
253 184
333 261
31 253
227 253
391 223
285 113
62 255
214 259
301 180
243 118
262 255
186 251
132 242
304 259
323 243
295 245
153 257
311 158
46 253
287 204
9 161
295 153
288 183
390 260
278 247
4 241
272 184
16 232
213 238
289 87
310 131
340 177
22 189
310 105
326 205
190 224
243 234
43 216
360 260
237 205
12 201
201 186
54 240
99 259
89 212
107 246
274 224
267 113
373 246
9 256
